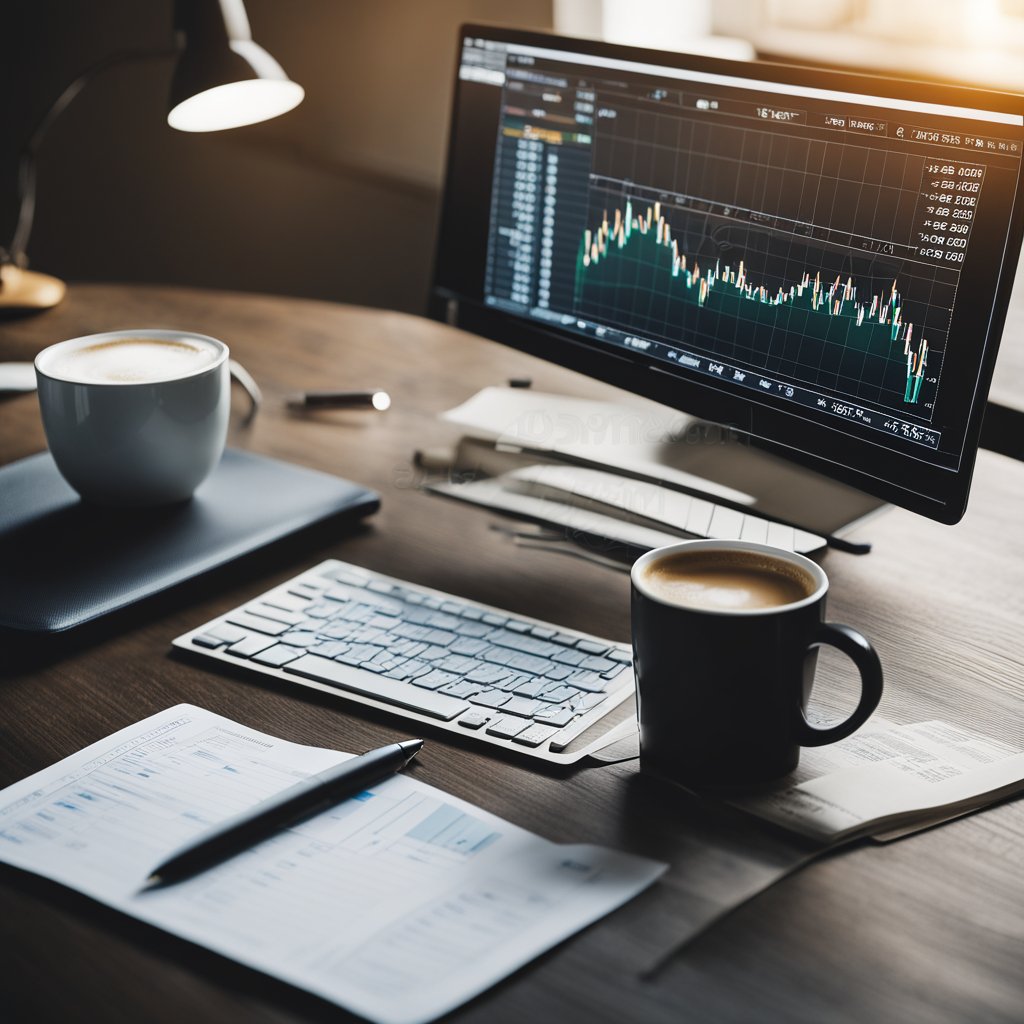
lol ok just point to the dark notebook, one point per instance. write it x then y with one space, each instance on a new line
63 562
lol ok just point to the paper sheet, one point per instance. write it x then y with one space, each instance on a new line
888 773
399 904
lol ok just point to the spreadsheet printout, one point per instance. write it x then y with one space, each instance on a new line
398 904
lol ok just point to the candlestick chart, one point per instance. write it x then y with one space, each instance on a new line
820 317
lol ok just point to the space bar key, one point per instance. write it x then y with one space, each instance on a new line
390 691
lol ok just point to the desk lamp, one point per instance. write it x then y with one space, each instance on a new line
223 79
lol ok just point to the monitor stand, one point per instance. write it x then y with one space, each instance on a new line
642 439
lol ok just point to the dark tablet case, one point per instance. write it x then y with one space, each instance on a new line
63 562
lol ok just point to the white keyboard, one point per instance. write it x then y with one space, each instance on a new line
503 679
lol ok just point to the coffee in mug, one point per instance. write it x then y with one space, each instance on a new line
725 637
133 360
726 580
135 418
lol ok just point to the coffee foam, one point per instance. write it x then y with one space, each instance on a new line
131 360
727 579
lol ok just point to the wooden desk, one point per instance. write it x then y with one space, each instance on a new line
929 928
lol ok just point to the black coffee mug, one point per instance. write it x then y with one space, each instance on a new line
722 694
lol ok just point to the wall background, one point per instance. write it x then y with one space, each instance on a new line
337 199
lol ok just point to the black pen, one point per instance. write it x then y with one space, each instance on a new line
379 400
296 803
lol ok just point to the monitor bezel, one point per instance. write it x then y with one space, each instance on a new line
937 492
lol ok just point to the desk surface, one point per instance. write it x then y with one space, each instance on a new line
928 928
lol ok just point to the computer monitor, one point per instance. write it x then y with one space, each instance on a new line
819 259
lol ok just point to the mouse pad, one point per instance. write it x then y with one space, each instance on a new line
64 562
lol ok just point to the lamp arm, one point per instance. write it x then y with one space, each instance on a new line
15 253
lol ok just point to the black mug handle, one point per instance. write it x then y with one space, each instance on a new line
862 654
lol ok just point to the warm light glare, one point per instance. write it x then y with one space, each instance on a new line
381 400
235 105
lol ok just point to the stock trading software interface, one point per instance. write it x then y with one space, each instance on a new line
801 247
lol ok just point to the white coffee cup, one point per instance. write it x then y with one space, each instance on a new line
135 418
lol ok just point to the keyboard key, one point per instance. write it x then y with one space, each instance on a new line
369 635
530 663
462 689
494 620
418 616
208 640
278 655
441 637
277 614
388 691
491 699
300 638
614 673
459 664
305 590
250 645
435 679
555 716
542 632
507 727
467 627
526 644
416 668
322 610
468 646
499 655
342 595
517 627
433 653
531 688
229 634
356 654
626 657
409 631
451 607
474 720
468 612
558 672
385 659
535 735
349 576
329 648
287 602
589 681
429 601
257 623
558 695
381 587
441 621
586 701
512 683
565 639
568 657
596 664
487 674
521 707
592 647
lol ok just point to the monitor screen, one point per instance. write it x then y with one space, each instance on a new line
820 260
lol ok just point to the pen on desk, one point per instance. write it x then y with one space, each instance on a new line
379 400
296 803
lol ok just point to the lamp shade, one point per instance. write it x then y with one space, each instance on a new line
223 79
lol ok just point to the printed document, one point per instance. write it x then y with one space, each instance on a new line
399 904
886 777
